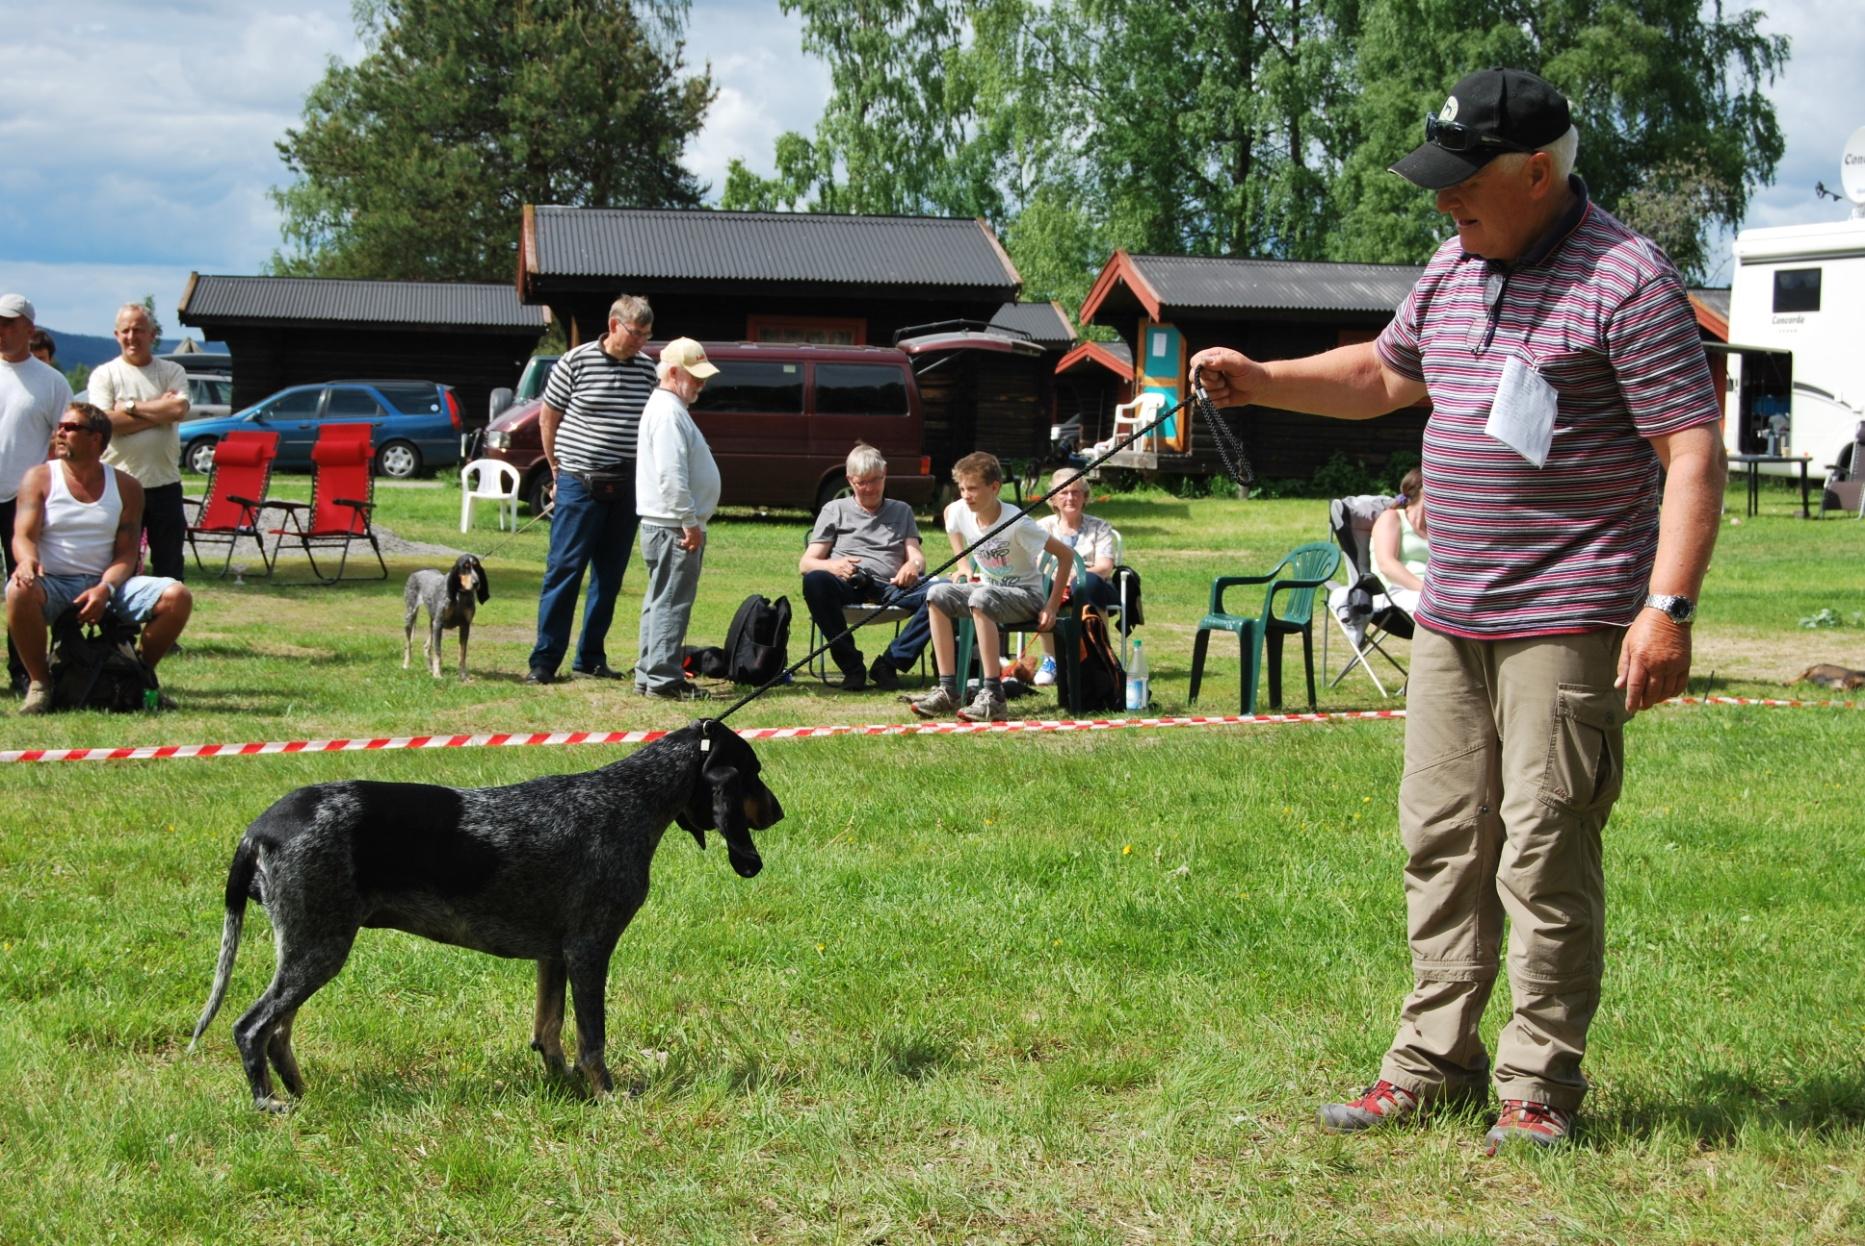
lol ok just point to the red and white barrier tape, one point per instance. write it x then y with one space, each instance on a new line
157 752
503 739
1770 702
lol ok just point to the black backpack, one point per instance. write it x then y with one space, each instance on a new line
97 667
1103 679
757 645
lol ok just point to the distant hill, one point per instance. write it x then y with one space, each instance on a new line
90 349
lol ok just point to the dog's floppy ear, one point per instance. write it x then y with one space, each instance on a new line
720 780
485 585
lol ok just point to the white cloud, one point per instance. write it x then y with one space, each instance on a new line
767 85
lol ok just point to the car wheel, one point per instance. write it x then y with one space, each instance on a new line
537 491
200 456
836 487
398 460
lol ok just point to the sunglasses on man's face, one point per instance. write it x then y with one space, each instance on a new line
74 428
1455 136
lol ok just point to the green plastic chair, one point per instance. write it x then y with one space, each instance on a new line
1288 608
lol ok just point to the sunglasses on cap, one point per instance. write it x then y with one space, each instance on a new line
1455 136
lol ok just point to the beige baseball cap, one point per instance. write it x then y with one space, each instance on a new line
690 355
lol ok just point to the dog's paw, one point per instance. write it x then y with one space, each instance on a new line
272 1105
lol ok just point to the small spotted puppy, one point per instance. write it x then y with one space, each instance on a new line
450 600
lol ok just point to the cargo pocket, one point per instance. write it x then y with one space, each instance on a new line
1586 750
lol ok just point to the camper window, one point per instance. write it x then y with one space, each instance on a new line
1796 290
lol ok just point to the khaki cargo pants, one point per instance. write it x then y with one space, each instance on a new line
1514 755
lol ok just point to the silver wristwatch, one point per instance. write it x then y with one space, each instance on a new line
1676 608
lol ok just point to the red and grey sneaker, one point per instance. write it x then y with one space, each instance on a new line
1523 1120
1382 1104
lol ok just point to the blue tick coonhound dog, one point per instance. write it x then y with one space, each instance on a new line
451 600
550 870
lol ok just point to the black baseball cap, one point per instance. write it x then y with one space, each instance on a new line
1488 112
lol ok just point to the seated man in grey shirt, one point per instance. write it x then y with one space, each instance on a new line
865 550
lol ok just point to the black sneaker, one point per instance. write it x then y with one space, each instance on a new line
602 670
539 676
883 675
680 692
854 679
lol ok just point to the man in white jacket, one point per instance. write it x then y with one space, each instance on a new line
676 491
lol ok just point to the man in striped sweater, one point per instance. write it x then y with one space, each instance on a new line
1561 359
591 414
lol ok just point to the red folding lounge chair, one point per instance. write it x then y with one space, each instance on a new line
342 498
236 492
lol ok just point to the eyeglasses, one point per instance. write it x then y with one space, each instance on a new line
1455 136
74 428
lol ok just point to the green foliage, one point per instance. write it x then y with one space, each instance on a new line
155 321
1254 127
78 377
1670 97
416 161
1826 616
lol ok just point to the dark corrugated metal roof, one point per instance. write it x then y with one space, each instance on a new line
1278 285
1042 323
1717 300
341 301
769 246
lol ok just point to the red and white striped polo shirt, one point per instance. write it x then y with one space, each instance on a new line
1601 314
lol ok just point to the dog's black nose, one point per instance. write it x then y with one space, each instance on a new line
747 864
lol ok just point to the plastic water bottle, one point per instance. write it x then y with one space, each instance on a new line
1138 685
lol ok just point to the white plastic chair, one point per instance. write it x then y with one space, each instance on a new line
1131 417
488 480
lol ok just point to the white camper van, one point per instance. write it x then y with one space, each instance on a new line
1801 288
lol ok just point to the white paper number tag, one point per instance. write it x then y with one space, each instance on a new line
1521 416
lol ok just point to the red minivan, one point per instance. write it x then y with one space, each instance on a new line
780 418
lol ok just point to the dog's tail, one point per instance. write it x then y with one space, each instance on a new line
239 886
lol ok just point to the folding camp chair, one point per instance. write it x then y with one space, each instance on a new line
1362 611
342 499
1288 609
236 491
871 616
1845 483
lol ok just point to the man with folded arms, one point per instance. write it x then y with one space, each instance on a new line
147 399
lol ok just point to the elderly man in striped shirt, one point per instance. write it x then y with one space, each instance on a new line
589 421
1561 359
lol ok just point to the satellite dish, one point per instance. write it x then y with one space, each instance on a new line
1852 170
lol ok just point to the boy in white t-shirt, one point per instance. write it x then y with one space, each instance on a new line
1008 588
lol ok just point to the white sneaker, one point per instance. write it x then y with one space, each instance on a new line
935 704
38 699
984 708
1045 674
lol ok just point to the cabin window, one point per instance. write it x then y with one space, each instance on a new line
816 330
1796 290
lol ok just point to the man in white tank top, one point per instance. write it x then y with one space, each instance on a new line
75 545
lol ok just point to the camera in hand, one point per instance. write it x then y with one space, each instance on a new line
866 582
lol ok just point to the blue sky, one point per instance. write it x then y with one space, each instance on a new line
136 138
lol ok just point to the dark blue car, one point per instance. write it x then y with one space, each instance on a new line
416 423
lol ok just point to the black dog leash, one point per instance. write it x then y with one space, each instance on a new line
549 507
1230 451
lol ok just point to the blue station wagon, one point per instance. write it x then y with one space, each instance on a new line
416 424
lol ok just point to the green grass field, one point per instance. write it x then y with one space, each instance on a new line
1020 989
